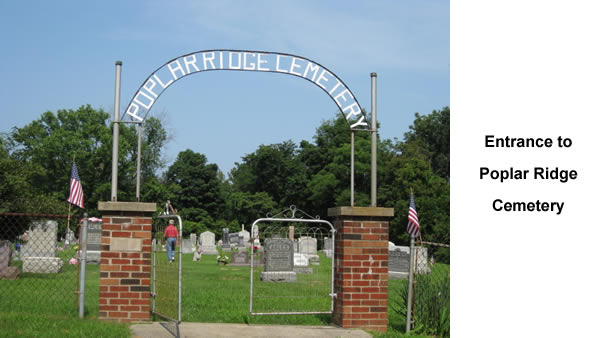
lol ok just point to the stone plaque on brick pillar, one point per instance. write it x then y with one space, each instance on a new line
125 261
361 271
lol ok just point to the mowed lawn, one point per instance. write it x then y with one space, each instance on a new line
212 293
221 294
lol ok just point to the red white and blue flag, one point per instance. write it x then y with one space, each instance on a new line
76 192
413 227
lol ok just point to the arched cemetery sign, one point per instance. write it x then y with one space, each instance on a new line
246 60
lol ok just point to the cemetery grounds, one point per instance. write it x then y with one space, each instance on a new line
212 293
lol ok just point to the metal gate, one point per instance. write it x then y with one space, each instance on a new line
291 265
166 274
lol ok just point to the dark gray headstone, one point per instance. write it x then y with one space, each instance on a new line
399 261
279 254
225 235
234 239
94 239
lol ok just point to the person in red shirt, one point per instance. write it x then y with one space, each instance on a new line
170 235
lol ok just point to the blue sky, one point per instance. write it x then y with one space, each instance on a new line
61 55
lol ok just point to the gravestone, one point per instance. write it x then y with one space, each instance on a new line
225 239
207 240
186 246
279 261
194 239
399 262
291 232
198 253
245 238
308 246
327 243
254 234
6 271
328 246
301 263
234 240
70 237
240 258
39 252
94 236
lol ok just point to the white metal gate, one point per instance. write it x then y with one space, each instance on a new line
166 274
291 265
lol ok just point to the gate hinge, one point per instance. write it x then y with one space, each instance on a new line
334 295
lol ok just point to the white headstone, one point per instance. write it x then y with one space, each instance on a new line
40 251
307 246
300 259
186 246
245 235
207 240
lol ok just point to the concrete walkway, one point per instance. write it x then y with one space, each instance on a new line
170 329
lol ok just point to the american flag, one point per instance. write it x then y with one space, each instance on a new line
413 220
76 193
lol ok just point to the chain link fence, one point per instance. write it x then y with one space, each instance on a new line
38 264
429 297
431 283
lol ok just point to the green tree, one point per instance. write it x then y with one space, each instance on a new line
245 207
195 187
328 163
50 143
432 133
273 169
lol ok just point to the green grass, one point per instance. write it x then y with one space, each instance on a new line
431 311
221 294
212 293
21 324
47 305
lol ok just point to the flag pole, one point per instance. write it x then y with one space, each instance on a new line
411 268
69 217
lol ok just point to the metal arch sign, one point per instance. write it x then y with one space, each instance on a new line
246 60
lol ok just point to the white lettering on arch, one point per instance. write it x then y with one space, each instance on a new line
246 60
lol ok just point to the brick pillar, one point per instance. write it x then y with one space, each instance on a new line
361 267
125 260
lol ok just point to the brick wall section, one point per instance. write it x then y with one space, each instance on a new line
125 261
361 267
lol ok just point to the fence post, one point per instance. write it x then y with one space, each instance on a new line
82 263
411 269
361 267
125 261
